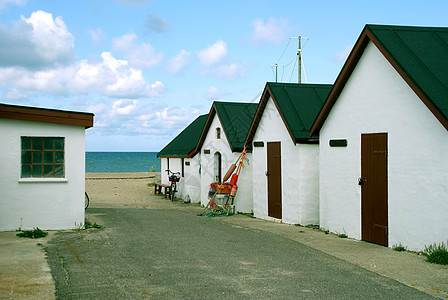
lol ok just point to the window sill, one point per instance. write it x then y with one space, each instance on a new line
42 180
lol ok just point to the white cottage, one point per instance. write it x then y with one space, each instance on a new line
42 174
221 143
384 139
180 156
285 160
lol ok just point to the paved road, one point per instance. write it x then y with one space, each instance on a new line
172 254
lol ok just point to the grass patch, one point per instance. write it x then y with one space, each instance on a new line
342 235
313 226
251 214
437 253
88 225
151 184
33 234
399 248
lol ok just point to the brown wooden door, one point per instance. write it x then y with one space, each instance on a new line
373 182
274 174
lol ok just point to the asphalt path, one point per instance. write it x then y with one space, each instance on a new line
173 254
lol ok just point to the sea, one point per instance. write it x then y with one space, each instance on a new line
122 162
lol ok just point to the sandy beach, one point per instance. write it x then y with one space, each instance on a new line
120 189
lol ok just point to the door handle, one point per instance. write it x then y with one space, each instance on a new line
267 173
361 181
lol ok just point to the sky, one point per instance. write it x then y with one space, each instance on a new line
147 68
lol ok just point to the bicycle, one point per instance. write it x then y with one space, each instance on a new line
86 200
174 178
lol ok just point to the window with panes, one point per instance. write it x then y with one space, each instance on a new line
42 157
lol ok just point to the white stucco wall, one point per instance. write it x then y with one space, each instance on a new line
300 172
243 199
44 203
377 100
189 185
192 179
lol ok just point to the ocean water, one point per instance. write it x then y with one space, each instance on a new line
121 162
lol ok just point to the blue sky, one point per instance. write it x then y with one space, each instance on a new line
147 68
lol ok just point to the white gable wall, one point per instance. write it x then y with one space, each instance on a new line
44 203
377 100
243 199
192 179
300 174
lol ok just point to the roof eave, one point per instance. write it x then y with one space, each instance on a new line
206 128
408 79
256 120
267 94
46 115
172 156
366 36
340 82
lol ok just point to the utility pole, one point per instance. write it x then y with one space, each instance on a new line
276 71
299 57
276 67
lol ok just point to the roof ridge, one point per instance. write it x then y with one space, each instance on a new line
409 27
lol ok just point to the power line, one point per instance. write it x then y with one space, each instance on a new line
278 60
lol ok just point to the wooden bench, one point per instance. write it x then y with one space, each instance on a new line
158 188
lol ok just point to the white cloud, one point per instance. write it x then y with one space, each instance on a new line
14 94
178 62
212 55
342 55
4 3
138 55
109 76
131 117
272 31
36 42
156 24
124 107
96 35
167 120
213 93
232 71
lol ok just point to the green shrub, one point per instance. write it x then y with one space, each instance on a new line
33 234
399 248
88 225
437 253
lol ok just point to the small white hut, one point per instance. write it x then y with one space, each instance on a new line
384 139
285 160
180 156
221 143
42 173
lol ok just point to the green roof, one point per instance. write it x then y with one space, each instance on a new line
185 142
235 118
298 105
420 56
